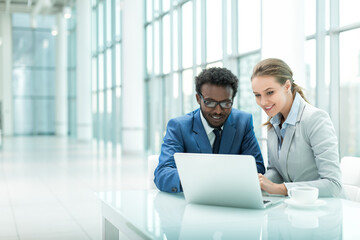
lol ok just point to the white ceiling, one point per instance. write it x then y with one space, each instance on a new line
45 6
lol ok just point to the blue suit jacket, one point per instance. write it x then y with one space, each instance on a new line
187 134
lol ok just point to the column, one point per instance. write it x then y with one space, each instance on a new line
133 130
61 117
83 70
283 34
6 74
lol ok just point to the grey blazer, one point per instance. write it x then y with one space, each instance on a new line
309 154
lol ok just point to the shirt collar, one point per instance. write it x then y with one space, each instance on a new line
292 117
207 128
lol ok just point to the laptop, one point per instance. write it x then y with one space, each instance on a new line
222 180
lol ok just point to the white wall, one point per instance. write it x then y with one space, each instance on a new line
283 33
83 70
133 130
6 74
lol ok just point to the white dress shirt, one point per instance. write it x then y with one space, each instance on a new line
209 130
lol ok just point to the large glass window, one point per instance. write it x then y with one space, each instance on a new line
166 44
172 97
349 13
156 131
309 84
198 32
175 41
310 19
340 66
187 35
249 34
246 97
182 38
33 75
72 110
213 30
156 47
106 72
149 47
188 90
349 93
100 19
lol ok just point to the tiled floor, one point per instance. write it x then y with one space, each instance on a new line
48 185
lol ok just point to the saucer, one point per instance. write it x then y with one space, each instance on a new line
316 204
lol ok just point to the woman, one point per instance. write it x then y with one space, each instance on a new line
302 144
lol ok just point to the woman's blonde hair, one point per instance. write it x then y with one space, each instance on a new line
278 69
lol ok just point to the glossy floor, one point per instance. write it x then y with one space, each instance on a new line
48 185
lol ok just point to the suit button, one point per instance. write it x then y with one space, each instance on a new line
174 189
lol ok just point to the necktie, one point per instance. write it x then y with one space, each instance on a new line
216 146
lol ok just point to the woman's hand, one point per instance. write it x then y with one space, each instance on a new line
270 187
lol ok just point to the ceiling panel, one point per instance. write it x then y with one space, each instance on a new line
28 5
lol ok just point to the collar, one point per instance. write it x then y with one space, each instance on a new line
291 119
207 128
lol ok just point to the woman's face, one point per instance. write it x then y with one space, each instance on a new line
271 96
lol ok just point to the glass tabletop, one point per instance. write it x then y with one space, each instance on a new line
159 215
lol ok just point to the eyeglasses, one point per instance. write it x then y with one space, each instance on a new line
212 104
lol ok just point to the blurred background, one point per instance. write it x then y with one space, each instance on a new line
115 71
88 86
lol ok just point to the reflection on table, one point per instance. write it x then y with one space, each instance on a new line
158 215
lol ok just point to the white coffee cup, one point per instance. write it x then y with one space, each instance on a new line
304 195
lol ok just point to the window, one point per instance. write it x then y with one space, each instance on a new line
245 94
33 75
106 72
182 38
340 64
213 30
349 93
72 111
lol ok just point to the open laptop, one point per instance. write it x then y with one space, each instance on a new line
221 179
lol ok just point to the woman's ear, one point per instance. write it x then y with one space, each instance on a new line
288 85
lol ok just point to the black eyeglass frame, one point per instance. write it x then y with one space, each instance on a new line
210 104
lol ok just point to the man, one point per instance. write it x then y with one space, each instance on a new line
214 128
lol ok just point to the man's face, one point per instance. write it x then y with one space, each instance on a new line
217 116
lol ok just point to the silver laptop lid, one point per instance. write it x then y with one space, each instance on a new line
219 179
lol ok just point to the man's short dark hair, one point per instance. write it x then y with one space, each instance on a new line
217 76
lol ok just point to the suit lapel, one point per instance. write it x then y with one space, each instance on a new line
227 136
289 135
200 135
290 130
273 142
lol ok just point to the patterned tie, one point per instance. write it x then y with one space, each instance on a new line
217 141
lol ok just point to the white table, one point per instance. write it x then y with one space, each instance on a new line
150 214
